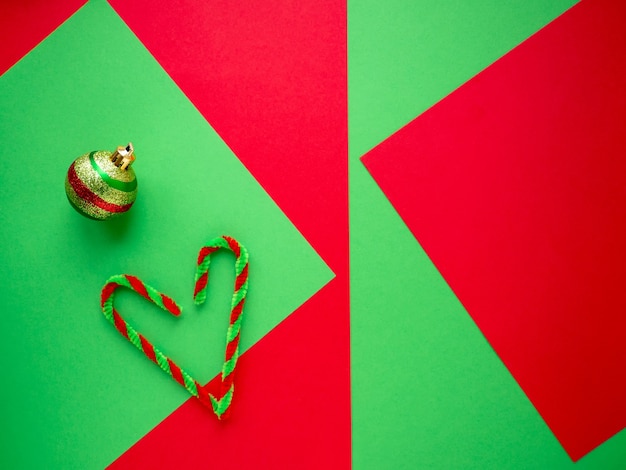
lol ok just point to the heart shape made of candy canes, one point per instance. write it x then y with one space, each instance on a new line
220 404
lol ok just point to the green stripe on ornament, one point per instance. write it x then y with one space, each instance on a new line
127 187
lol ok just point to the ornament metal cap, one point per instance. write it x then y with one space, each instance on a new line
123 157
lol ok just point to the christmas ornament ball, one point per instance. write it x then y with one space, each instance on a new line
102 184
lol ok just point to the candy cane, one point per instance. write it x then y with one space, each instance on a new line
220 404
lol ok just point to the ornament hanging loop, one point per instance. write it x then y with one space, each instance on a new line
123 157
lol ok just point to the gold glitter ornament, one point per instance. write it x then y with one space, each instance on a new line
101 184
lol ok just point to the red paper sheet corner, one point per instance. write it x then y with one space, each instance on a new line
515 185
25 23
270 77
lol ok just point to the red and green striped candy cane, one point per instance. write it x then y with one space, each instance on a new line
220 403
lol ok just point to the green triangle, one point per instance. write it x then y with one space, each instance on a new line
427 389
79 394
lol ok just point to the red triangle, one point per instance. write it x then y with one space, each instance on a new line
515 185
290 410
271 78
25 23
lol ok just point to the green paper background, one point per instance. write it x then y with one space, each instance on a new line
427 389
70 378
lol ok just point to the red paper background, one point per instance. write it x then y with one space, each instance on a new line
270 77
25 23
273 84
515 185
